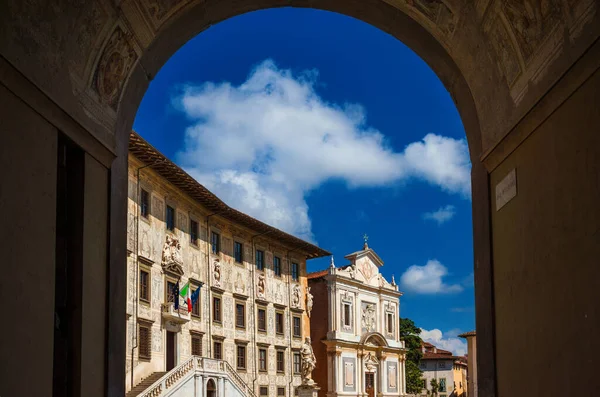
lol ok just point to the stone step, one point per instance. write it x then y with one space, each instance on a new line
144 384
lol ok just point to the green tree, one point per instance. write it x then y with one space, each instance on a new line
409 333
434 387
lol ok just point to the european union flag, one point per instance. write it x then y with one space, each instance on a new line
195 295
176 296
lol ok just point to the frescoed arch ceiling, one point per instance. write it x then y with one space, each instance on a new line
82 53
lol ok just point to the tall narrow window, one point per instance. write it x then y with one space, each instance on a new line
196 345
216 309
277 266
217 350
390 323
262 320
262 359
279 323
170 218
297 362
260 260
170 292
280 361
295 271
241 357
144 285
281 392
347 315
193 232
240 315
238 252
297 327
144 203
215 243
145 334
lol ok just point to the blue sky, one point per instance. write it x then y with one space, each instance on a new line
328 128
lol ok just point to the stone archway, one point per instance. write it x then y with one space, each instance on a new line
520 71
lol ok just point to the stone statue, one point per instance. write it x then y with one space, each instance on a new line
368 318
352 270
309 301
217 273
171 255
239 285
309 362
262 287
296 296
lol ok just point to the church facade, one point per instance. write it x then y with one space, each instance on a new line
206 280
355 329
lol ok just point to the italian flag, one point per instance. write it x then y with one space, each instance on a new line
185 294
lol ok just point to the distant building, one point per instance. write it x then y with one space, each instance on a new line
354 329
471 338
448 370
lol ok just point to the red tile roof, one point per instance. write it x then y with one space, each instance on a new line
317 274
470 333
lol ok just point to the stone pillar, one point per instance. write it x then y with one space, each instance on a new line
308 390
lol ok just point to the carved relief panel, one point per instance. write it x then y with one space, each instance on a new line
392 376
368 317
349 368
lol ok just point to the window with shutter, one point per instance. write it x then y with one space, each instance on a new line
145 346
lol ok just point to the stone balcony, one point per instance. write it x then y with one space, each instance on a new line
179 316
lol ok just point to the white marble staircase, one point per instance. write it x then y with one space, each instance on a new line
189 379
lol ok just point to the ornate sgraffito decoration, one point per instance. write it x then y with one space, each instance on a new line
437 12
531 22
161 10
171 256
371 362
239 285
114 66
216 273
261 285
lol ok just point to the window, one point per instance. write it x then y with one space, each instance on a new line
263 391
170 218
423 365
217 350
196 345
424 383
280 361
295 391
260 263
241 357
238 252
279 322
294 271
170 292
297 327
390 323
193 232
277 266
215 243
442 364
262 359
240 315
196 304
262 320
144 285
144 203
145 334
281 392
216 309
347 314
442 385
297 363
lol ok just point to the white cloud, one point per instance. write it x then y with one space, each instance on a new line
263 145
427 279
449 341
442 215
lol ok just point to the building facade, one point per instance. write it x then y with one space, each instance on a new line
251 311
449 371
471 338
354 329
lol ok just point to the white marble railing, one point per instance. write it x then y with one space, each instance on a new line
190 367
